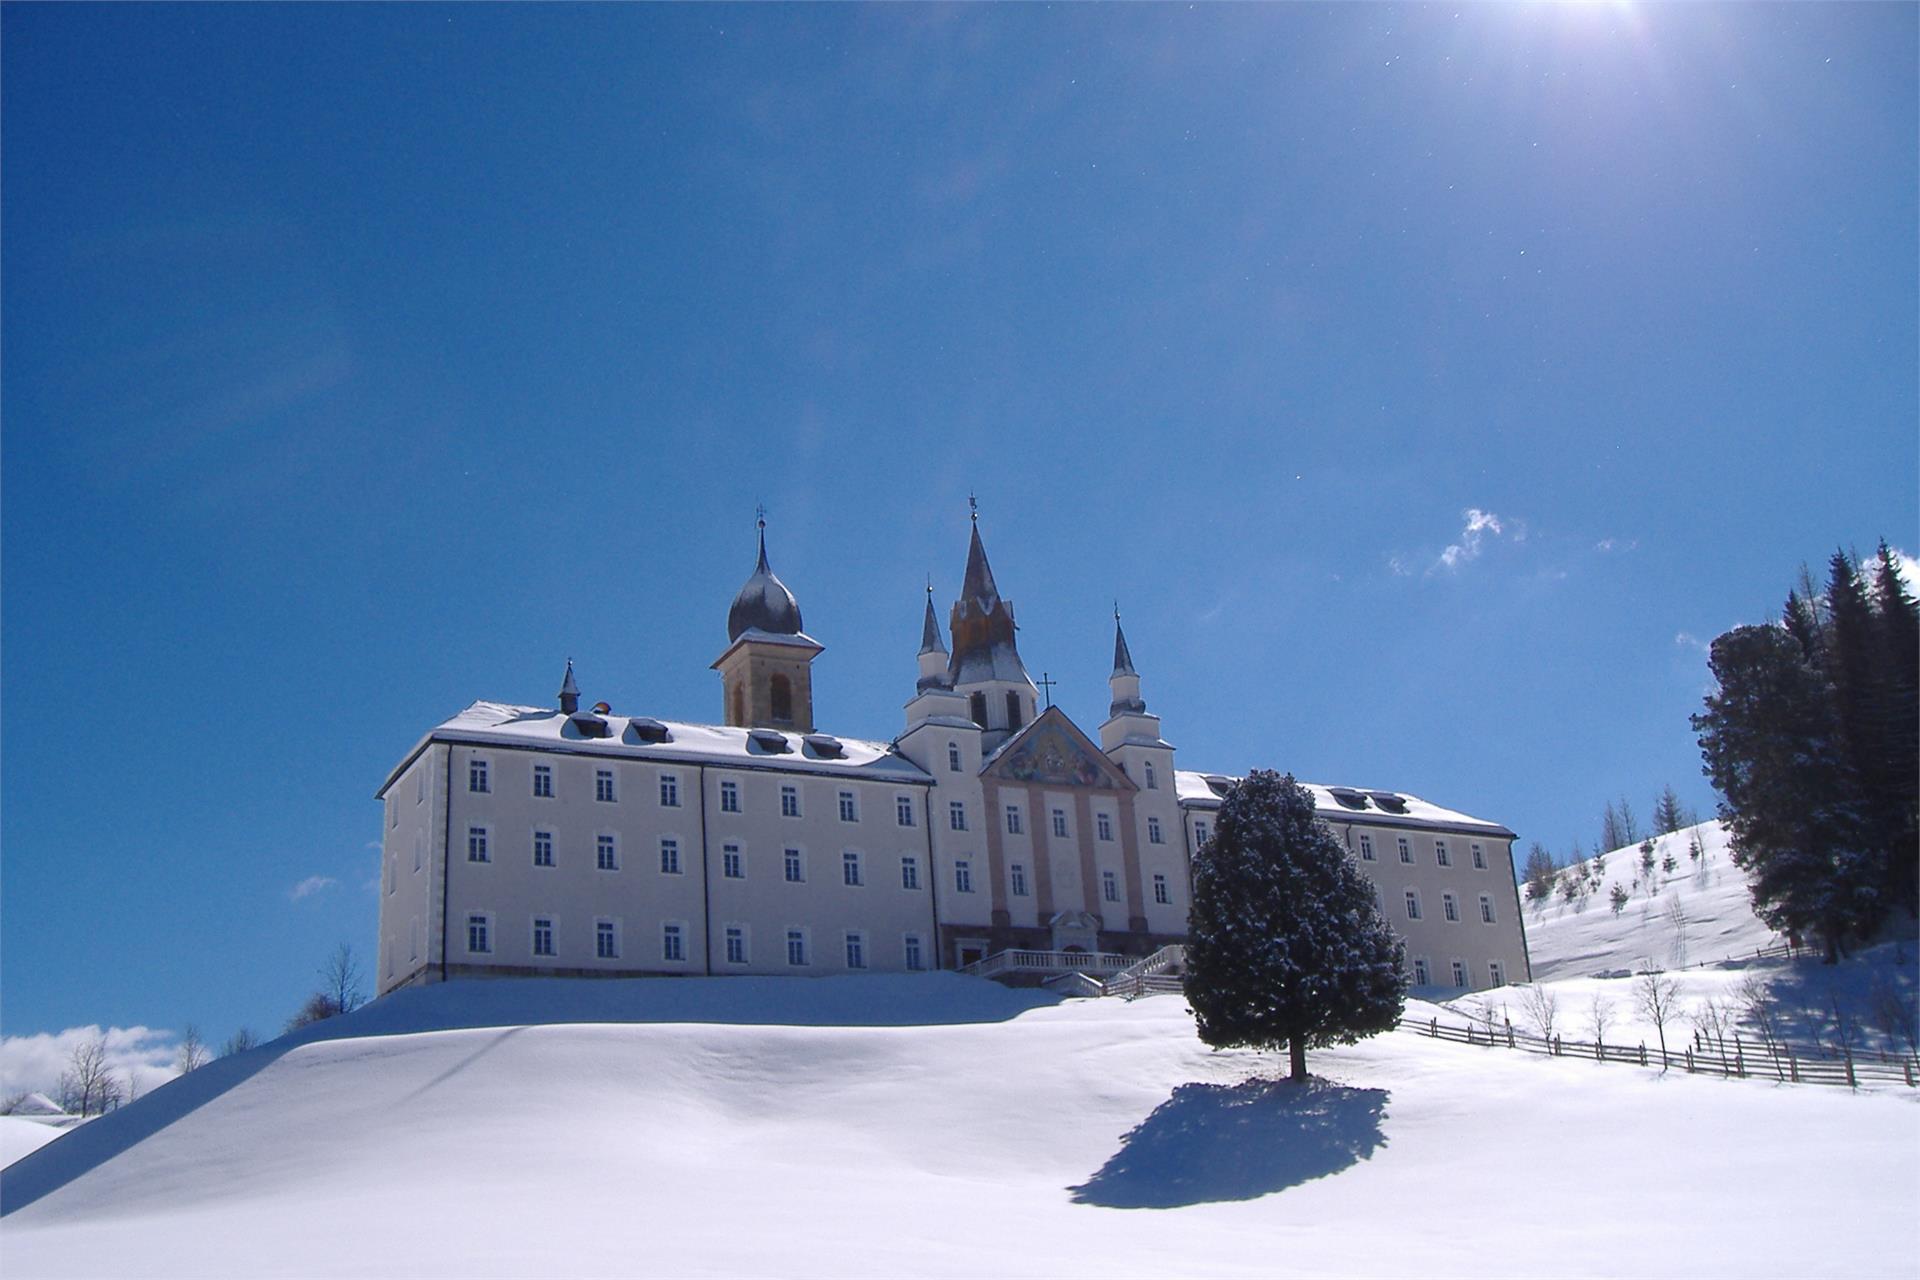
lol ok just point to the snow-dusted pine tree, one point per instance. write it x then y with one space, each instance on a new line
1286 944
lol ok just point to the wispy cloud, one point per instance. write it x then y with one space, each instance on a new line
1688 640
1479 527
1398 567
35 1062
1616 544
310 886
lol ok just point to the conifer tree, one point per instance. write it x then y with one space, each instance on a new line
1286 943
1539 872
1897 620
1771 744
1668 816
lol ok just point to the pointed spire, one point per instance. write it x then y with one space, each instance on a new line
760 522
764 603
1122 660
930 641
569 692
978 585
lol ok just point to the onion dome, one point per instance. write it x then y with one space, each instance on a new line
764 603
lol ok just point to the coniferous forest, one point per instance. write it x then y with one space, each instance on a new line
1813 741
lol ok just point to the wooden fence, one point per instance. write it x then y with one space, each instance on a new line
1740 1059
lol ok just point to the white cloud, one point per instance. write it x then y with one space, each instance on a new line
1397 565
1617 544
310 886
1909 569
1479 526
1687 640
35 1062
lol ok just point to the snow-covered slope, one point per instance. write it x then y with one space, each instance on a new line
19 1136
740 1126
1584 937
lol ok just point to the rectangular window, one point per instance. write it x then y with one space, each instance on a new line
789 802
1153 783
605 856
393 810
1413 905
420 782
1459 974
673 942
796 947
1440 854
543 781
1060 823
796 872
729 797
850 868
606 942
962 876
1479 858
736 944
542 936
1486 909
849 810
418 845
953 756
476 775
1103 826
1449 908
1161 894
856 951
732 865
669 791
957 815
909 872
669 856
1366 848
476 844
1406 850
903 810
1019 880
1109 886
477 941
543 848
1199 831
1153 831
914 962
1013 819
1420 976
1495 974
603 785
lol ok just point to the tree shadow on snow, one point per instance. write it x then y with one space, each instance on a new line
1213 1142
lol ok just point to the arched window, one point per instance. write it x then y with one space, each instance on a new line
1013 709
739 705
780 694
978 704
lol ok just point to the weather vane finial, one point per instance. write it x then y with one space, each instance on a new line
973 506
760 515
1116 611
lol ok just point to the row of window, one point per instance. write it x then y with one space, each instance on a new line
1442 855
1423 973
1450 907
1016 824
607 942
733 866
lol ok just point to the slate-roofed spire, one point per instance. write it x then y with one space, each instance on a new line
930 641
1122 660
978 585
982 624
764 602
569 692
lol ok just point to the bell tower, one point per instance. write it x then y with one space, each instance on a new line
766 670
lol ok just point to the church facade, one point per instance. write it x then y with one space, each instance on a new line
524 841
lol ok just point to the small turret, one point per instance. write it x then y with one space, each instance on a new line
569 692
933 651
1124 683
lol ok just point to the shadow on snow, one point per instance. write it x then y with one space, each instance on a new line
1213 1142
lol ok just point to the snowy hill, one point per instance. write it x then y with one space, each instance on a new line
930 1125
1584 938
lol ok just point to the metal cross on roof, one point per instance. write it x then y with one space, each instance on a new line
1046 683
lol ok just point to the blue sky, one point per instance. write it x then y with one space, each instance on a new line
363 361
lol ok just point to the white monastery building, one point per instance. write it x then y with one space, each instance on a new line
523 841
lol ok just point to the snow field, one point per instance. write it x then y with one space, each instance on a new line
1091 1136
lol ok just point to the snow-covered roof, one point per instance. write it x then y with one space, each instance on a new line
1344 804
642 738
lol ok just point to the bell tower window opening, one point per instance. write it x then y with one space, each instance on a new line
1013 709
977 708
780 698
739 705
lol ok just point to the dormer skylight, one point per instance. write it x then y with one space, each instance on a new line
646 729
825 746
771 741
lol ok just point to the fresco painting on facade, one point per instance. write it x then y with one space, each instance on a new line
626 846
